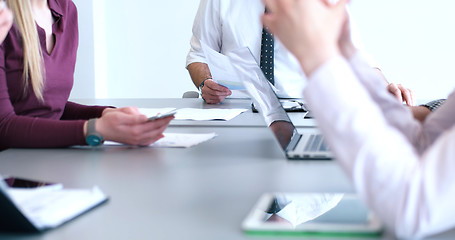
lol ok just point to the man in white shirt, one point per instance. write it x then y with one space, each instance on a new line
228 25
403 169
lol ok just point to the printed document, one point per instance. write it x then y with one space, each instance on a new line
183 140
176 140
198 114
150 112
221 68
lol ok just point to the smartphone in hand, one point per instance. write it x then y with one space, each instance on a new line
164 115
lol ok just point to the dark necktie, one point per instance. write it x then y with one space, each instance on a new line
267 53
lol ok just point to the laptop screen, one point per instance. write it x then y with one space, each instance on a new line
263 96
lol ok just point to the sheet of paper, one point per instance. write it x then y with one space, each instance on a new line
198 114
221 68
150 112
48 208
183 140
176 140
259 88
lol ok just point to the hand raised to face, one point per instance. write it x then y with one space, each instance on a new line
310 29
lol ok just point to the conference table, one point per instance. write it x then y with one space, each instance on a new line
202 192
249 119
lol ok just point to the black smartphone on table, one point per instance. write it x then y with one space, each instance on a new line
16 182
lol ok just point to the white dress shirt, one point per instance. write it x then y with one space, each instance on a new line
402 169
228 25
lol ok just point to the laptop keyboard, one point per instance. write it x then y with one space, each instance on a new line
314 147
315 143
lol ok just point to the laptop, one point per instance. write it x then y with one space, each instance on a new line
305 144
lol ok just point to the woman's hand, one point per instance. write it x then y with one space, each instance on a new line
310 29
127 125
6 20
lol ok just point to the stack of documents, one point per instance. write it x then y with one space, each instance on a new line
222 70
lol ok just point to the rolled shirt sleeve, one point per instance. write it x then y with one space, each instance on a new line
411 191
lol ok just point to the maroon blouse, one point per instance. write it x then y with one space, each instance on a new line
25 121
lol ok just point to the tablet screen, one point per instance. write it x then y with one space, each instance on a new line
311 213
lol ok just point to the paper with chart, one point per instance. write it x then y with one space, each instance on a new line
221 68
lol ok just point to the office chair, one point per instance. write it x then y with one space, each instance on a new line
190 94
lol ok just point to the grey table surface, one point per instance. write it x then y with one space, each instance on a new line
202 192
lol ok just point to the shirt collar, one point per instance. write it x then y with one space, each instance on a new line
57 11
55 7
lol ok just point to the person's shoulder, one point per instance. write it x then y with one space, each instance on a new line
67 6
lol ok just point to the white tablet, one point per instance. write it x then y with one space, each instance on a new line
311 214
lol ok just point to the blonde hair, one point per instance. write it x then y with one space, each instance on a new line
33 57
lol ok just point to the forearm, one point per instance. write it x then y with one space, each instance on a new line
363 143
398 115
420 112
199 72
75 111
334 92
440 120
26 132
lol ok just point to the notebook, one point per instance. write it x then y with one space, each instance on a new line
42 208
307 143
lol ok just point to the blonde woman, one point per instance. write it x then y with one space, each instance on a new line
37 61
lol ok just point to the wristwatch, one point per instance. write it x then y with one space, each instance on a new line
93 138
201 85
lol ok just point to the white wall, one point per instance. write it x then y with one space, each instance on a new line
141 45
413 41
84 78
146 44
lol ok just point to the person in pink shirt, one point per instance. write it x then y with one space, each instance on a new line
37 63
401 167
